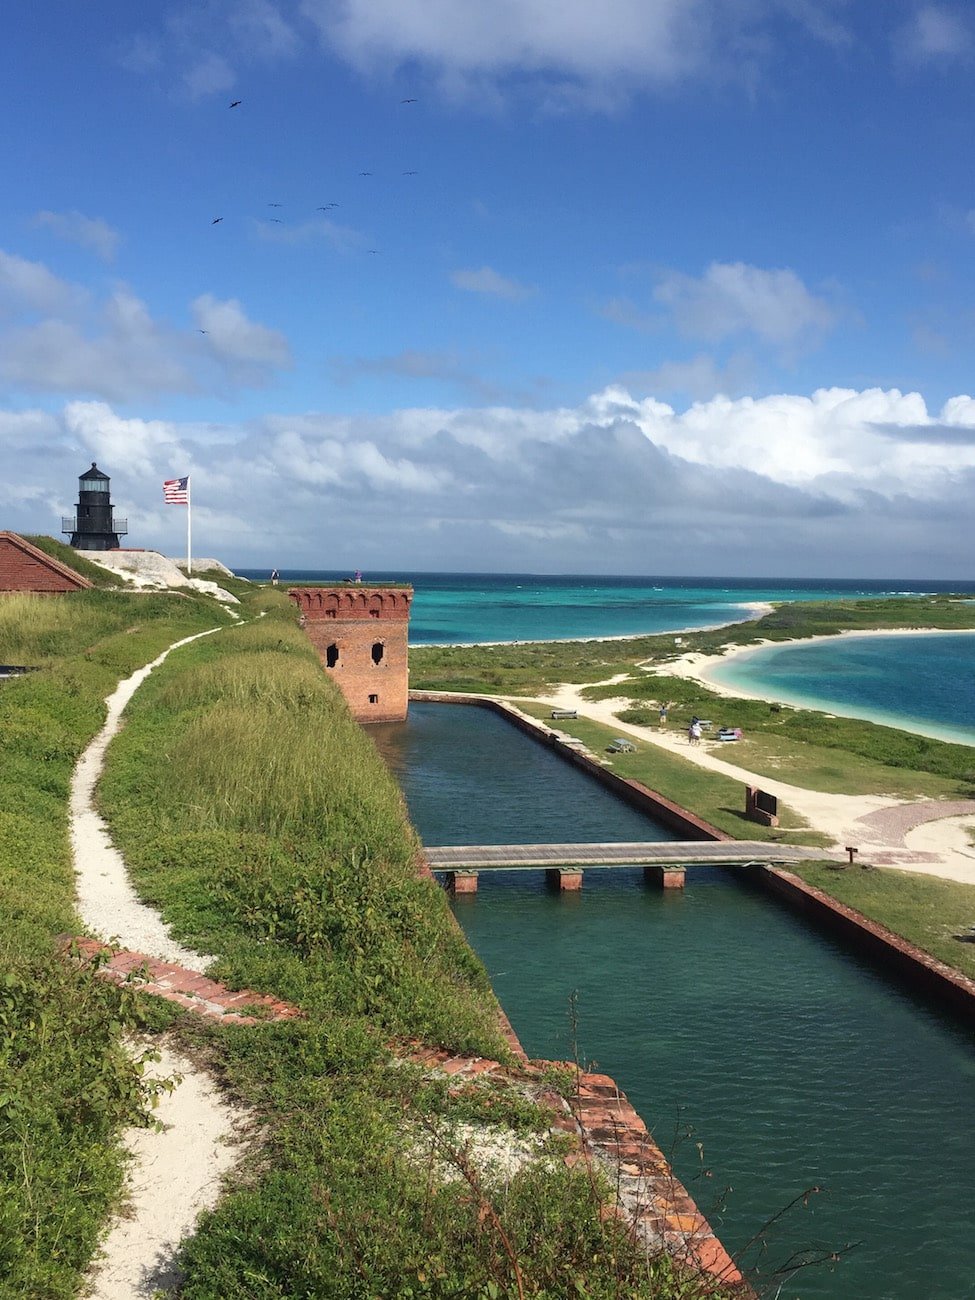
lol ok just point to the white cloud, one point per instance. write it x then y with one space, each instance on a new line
935 32
76 228
491 282
31 286
59 339
842 481
698 378
342 238
236 339
576 52
733 298
210 75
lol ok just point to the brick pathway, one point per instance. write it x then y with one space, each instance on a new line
890 825
176 984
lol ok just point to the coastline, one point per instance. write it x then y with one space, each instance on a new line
695 666
756 609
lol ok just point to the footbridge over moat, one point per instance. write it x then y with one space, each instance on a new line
663 861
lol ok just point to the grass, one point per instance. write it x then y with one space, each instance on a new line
936 915
66 1086
719 799
259 817
76 560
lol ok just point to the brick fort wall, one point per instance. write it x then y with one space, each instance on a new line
24 567
361 633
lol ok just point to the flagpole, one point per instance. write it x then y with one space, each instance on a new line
189 529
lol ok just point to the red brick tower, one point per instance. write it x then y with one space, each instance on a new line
360 633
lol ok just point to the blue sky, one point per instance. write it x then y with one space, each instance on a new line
677 286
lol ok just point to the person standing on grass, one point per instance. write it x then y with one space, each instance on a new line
274 577
663 713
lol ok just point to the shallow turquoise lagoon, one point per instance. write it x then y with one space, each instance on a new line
730 1024
926 683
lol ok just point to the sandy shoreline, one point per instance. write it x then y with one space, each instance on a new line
701 668
756 608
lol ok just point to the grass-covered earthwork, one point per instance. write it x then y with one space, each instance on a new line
260 818
66 1085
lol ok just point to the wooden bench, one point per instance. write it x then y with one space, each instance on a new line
565 713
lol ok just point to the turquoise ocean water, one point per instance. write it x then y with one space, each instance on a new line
927 683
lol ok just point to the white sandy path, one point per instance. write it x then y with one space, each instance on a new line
836 815
176 1172
108 904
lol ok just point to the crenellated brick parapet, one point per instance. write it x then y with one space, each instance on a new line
361 634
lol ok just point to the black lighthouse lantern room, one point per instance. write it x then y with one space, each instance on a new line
94 527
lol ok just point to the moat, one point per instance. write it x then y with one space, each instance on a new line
765 1058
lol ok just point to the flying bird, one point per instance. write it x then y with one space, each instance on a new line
324 207
215 220
201 331
236 103
275 205
411 173
365 173
409 101
277 219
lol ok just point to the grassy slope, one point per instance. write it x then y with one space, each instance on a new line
262 821
937 915
66 1087
77 561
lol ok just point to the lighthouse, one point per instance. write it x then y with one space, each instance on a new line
94 528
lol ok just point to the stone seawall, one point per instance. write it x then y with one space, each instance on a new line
918 969
663 810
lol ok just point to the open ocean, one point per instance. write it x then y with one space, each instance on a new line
924 683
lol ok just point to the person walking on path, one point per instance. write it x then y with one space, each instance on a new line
663 713
694 732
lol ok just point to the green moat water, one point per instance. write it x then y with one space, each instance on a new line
728 1021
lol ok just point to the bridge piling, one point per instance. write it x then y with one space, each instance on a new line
665 876
462 882
567 880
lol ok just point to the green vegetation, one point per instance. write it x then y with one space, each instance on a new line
936 915
95 574
66 1086
718 799
261 820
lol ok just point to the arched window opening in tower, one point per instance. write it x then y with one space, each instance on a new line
378 652
332 656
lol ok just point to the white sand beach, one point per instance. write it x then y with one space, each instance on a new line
924 836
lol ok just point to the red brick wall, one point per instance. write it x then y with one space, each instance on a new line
24 568
344 625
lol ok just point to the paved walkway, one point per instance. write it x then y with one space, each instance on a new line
655 852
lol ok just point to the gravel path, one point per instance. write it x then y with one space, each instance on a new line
176 1171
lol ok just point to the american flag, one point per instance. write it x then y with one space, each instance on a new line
176 491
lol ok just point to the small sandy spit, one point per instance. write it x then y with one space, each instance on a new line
177 1169
922 836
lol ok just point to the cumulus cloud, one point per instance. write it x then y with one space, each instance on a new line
76 228
839 481
32 287
934 33
487 280
574 52
55 337
248 347
733 298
